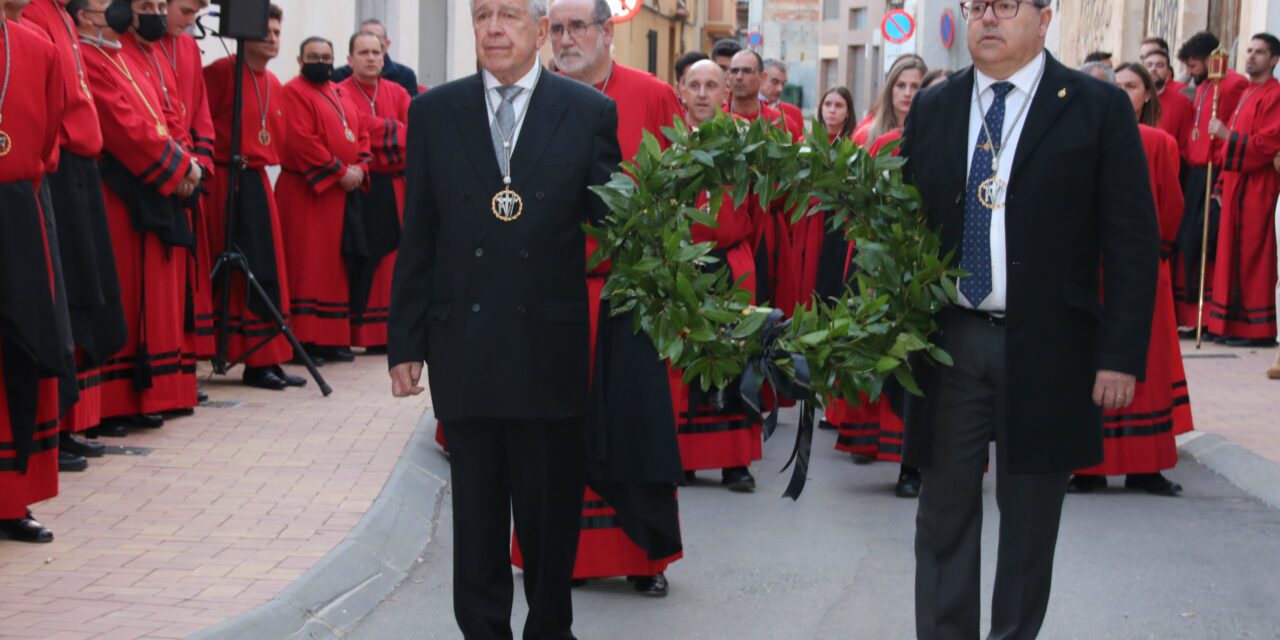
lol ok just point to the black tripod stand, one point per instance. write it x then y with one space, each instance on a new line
233 259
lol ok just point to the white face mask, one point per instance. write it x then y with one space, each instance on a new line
100 41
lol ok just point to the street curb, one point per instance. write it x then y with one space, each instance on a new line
376 556
1243 468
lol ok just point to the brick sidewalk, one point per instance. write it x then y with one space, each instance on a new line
1232 397
227 508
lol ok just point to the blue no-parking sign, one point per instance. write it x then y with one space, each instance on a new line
898 26
948 28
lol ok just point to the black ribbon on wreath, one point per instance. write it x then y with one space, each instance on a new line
766 369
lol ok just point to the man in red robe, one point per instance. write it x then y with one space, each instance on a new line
180 53
384 113
1202 147
745 77
1176 110
614 513
1243 307
146 174
257 230
88 262
775 80
32 349
325 158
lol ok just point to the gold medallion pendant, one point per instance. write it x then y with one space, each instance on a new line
6 144
991 193
507 205
351 137
264 138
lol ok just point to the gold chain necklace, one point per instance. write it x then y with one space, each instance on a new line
162 130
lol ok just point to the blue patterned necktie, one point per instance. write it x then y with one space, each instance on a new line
975 253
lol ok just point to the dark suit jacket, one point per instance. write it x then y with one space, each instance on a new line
498 310
1078 198
391 70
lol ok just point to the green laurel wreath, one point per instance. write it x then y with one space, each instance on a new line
690 306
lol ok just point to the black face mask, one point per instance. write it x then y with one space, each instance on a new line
317 72
119 16
152 27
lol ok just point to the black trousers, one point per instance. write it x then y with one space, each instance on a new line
535 470
971 396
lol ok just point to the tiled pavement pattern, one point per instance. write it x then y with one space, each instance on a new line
230 506
1232 397
234 503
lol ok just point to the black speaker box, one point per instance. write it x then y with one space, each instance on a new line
244 19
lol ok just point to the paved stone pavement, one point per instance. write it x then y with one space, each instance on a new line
838 564
1232 397
228 507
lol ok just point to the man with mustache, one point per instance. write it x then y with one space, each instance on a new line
1176 110
489 290
1034 174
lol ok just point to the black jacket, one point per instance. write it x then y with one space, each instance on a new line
1079 197
498 310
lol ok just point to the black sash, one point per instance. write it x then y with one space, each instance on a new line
380 221
1191 231
255 238
355 252
88 261
151 212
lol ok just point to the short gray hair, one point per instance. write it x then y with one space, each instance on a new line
774 63
537 9
1090 67
602 12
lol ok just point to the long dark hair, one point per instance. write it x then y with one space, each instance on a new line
846 131
1150 115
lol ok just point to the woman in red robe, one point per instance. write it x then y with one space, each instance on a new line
325 157
32 351
144 172
384 113
873 431
258 229
1139 439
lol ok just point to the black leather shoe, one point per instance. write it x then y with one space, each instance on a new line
1086 484
201 397
25 530
70 462
147 421
263 378
858 458
315 358
76 446
375 351
1257 343
108 430
289 379
738 479
180 413
1153 483
652 586
342 354
826 426
908 483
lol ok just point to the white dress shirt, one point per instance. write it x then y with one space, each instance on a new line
493 98
1022 82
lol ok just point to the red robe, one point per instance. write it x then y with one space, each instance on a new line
1200 148
779 279
384 113
604 550
152 273
795 117
1139 438
182 57
870 429
247 328
81 136
1243 304
32 110
1176 115
316 154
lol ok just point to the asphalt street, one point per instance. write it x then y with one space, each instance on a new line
838 564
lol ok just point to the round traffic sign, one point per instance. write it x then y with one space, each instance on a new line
755 39
625 10
947 29
898 26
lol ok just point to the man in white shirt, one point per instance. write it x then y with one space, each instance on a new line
1035 176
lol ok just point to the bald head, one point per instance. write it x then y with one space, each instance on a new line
703 91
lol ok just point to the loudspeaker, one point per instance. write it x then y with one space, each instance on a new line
243 19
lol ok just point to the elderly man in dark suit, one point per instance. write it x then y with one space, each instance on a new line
1035 176
489 291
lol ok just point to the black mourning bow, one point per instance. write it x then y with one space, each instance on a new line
765 368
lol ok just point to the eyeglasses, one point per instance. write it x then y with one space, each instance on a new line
742 71
576 28
1004 9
